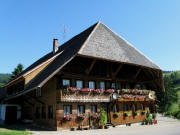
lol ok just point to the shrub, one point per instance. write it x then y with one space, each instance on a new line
103 117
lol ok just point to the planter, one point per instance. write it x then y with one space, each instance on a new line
116 114
127 114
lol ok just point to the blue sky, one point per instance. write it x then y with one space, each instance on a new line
27 27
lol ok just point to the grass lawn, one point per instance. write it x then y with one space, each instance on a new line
7 131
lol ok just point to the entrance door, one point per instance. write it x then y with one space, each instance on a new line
108 113
11 114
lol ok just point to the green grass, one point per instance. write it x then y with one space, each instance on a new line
7 131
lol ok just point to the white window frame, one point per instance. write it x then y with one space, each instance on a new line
65 82
81 109
79 82
113 85
67 109
102 85
93 108
91 84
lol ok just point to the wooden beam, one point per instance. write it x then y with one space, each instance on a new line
90 68
117 71
135 76
35 98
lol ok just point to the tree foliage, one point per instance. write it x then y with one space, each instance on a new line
16 71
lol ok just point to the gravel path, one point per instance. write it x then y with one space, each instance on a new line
165 126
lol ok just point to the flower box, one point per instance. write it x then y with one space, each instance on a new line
127 114
96 91
95 116
81 117
116 114
136 113
109 91
67 117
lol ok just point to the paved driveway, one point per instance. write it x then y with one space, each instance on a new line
165 126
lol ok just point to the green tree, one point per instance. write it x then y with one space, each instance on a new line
16 71
1 85
170 95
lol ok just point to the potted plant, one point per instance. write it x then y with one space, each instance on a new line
127 114
154 115
103 118
148 119
116 114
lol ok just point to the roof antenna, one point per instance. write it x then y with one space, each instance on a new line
64 31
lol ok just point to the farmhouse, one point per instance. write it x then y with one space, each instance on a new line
68 87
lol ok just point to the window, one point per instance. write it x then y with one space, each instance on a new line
50 112
134 107
67 109
79 84
81 109
38 92
142 107
37 112
66 82
115 108
93 108
43 112
113 85
138 86
126 107
102 85
91 84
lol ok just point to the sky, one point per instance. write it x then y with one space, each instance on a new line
27 27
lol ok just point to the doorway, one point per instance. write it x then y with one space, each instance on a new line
11 114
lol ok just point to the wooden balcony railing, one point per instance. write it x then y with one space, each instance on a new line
66 96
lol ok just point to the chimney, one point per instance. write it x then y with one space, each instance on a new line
55 45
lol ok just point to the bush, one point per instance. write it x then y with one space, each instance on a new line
103 117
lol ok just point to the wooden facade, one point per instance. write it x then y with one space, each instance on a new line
70 95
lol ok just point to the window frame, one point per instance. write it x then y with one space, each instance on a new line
93 83
65 79
80 81
112 85
92 110
79 109
65 110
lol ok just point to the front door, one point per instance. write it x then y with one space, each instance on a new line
11 114
108 113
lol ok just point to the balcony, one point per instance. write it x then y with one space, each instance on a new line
84 95
96 95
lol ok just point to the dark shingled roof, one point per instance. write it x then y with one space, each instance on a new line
96 41
104 43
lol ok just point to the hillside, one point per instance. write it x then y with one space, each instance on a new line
4 78
170 101
175 77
